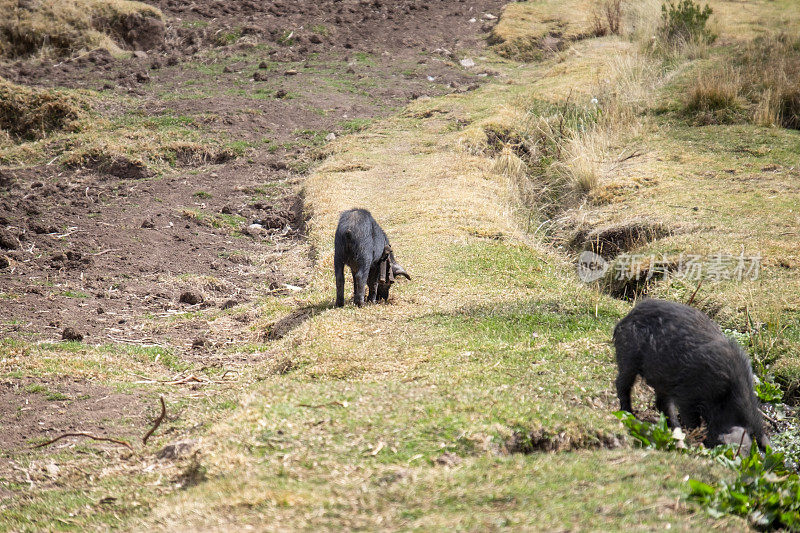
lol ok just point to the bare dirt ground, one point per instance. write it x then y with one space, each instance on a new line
114 255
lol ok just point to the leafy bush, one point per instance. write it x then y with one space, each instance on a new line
685 22
768 391
764 491
656 436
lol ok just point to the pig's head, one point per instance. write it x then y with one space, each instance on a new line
741 438
739 420
389 270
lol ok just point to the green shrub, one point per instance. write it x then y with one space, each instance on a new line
765 490
685 22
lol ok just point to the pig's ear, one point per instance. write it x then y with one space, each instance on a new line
398 270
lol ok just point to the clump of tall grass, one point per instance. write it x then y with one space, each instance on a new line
607 18
551 153
29 114
761 84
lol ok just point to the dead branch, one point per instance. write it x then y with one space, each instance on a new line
104 251
157 422
329 404
771 420
695 292
88 436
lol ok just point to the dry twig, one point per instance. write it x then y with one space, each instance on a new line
157 422
329 404
87 435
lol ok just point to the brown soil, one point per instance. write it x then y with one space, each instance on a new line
35 410
109 248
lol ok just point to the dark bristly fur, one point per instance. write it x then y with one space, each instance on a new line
694 369
361 244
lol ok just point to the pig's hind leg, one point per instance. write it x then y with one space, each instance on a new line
359 281
624 383
338 268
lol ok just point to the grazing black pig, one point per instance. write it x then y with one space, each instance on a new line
692 367
361 244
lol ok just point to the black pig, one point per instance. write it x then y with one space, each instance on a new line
361 244
694 369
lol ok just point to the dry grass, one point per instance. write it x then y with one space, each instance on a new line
29 114
528 31
713 98
607 18
760 84
66 26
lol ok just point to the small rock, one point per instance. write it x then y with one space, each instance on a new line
290 72
199 342
176 449
330 137
139 54
191 298
148 224
473 19
467 63
255 229
489 16
52 469
8 241
448 459
71 334
444 52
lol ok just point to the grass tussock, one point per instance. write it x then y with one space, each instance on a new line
761 84
65 27
607 17
28 114
552 158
